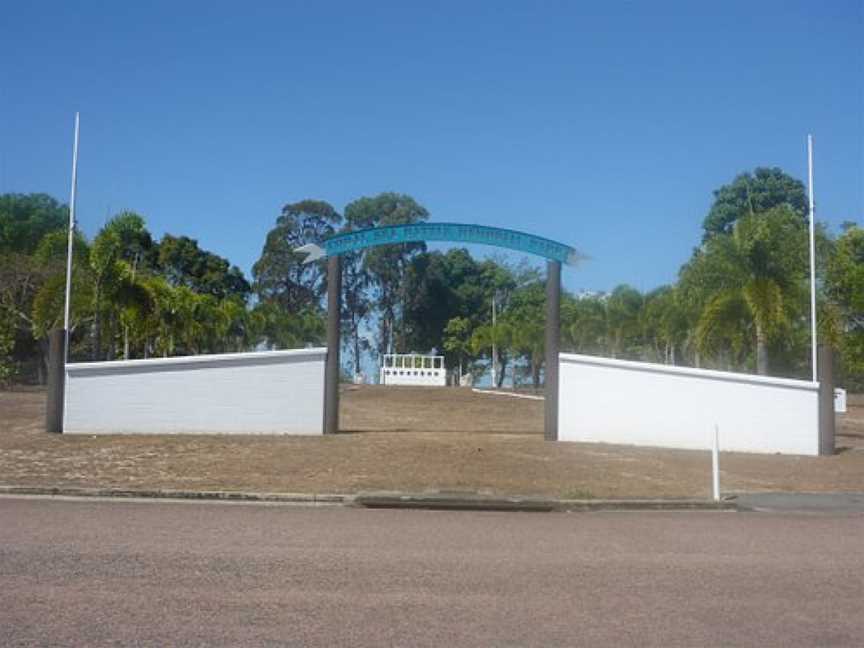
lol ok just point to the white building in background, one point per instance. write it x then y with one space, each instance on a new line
413 369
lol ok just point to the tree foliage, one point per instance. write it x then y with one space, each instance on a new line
387 265
26 218
751 284
183 263
844 284
280 274
754 193
741 301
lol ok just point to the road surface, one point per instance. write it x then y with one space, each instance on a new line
101 573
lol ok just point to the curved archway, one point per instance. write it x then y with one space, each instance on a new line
556 254
450 232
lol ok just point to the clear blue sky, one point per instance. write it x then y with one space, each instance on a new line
600 124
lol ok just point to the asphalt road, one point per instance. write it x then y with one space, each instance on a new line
124 573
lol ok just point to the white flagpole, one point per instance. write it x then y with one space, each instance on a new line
71 237
812 254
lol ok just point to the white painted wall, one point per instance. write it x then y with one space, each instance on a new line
618 401
272 392
418 377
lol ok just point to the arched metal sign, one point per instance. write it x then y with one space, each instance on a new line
452 232
333 247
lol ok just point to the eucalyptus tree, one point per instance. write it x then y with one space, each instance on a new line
356 305
387 265
280 274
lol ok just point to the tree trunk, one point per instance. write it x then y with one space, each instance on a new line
761 351
97 325
112 343
42 367
356 341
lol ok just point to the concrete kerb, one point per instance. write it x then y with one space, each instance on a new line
309 499
481 502
382 500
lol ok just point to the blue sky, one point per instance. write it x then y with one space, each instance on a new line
601 124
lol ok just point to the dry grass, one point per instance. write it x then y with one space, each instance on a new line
409 439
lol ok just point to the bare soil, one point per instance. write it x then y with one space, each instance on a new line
408 439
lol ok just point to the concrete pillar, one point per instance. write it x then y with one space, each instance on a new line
825 373
553 333
331 370
56 379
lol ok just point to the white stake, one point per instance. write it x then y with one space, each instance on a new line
715 463
71 237
812 255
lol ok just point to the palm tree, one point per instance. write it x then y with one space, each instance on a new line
584 328
457 342
665 324
757 273
623 325
134 302
528 338
498 334
117 251
231 325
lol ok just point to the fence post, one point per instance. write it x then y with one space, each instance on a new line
826 399
56 379
331 368
553 332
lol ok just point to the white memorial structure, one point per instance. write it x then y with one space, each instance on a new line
413 369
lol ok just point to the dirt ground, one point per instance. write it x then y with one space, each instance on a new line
408 439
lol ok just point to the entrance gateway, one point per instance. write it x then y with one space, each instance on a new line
555 253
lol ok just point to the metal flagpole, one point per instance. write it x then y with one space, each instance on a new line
71 238
812 255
